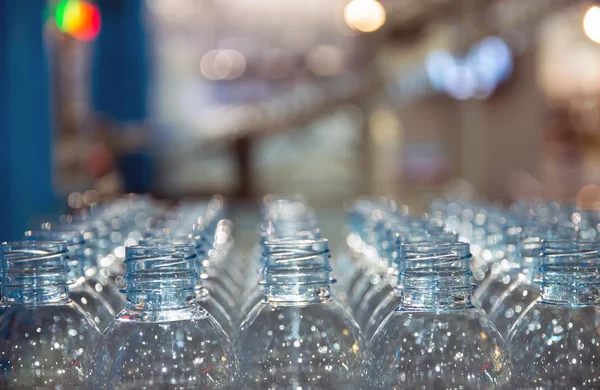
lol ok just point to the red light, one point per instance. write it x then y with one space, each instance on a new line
78 18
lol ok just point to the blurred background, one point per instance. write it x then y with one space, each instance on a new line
334 99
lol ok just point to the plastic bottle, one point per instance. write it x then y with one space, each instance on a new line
163 338
554 343
436 338
299 336
81 289
45 338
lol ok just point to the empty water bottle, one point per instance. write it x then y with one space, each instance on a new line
555 342
436 338
81 289
45 338
299 336
385 292
163 338
204 296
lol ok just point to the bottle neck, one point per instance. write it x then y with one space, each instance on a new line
146 298
570 273
297 270
160 277
435 276
34 273
42 295
310 293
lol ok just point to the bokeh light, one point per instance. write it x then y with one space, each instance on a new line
78 19
591 24
475 75
364 15
223 64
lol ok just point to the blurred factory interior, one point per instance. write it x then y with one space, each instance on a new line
330 98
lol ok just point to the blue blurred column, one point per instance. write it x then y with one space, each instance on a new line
25 143
120 83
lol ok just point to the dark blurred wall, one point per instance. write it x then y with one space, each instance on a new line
25 146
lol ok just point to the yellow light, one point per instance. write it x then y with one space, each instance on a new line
364 15
591 24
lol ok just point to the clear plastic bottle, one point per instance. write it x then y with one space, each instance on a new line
382 290
208 276
522 289
257 292
555 342
500 269
45 338
391 296
358 213
204 295
371 261
81 289
299 336
163 338
99 267
512 288
436 338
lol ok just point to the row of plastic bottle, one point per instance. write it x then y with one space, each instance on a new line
518 308
134 295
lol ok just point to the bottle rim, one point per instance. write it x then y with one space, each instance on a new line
72 237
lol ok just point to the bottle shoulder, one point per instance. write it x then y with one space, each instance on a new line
68 311
554 343
273 320
417 343
543 319
328 308
465 325
196 330
66 322
191 312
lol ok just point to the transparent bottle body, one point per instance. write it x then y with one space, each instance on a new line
214 308
514 301
373 297
219 293
307 345
176 349
493 287
255 296
557 347
370 273
45 346
448 349
386 306
93 303
103 280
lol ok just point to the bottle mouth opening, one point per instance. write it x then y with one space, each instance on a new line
558 246
292 243
34 247
71 237
163 249
32 264
282 253
433 250
300 230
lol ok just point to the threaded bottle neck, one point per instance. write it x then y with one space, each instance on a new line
531 238
435 275
34 272
404 235
160 277
289 229
296 270
76 245
570 272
